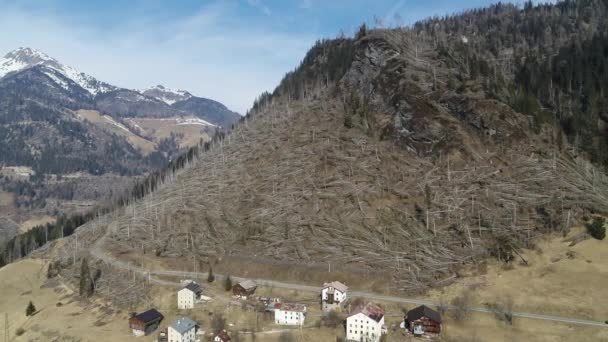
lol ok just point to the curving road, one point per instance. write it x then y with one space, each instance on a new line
97 252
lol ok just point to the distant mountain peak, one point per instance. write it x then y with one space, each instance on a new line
28 56
167 95
25 58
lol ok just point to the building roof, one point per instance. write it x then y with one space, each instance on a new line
290 307
336 285
183 325
194 287
149 316
370 310
423 311
223 335
248 284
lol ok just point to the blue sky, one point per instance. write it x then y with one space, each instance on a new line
228 50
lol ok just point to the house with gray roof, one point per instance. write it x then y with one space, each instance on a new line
182 330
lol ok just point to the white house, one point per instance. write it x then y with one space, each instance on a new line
189 295
289 314
365 324
333 295
182 330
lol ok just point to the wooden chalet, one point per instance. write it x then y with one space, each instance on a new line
422 321
245 288
145 323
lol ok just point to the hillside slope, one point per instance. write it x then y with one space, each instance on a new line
380 155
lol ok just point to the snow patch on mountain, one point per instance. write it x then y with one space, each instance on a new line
62 83
193 121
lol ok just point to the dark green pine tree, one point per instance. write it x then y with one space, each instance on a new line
210 277
228 283
31 309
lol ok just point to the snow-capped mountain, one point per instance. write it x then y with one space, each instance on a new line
25 58
167 95
34 74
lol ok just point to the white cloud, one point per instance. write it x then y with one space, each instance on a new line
208 53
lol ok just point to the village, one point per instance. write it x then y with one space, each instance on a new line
352 319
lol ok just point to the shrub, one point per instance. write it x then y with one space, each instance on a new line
332 319
19 331
218 322
462 305
31 309
442 307
596 228
504 248
503 310
357 301
53 269
287 336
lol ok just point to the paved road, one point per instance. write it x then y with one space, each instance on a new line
97 252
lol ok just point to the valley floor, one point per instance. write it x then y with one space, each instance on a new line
555 282
61 315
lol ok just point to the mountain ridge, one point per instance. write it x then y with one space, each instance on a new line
130 100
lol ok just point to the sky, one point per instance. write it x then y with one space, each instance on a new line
227 50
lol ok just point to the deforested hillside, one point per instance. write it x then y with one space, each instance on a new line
391 152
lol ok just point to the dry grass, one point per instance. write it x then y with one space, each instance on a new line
569 287
136 141
6 200
73 319
35 221
480 327
24 281
158 129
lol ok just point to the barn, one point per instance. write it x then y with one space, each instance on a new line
422 321
145 323
245 288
